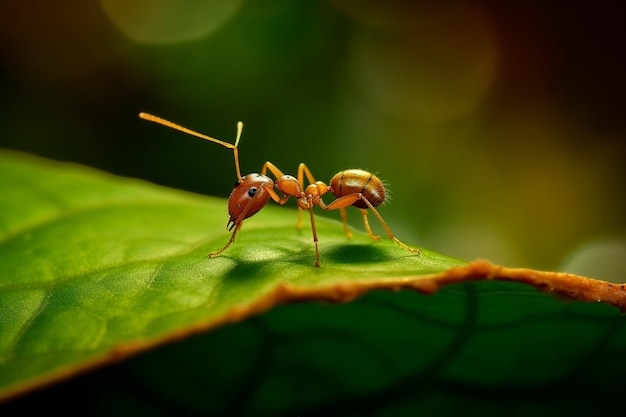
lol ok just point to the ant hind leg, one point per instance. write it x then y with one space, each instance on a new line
384 224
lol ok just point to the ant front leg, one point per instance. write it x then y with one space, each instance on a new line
256 199
236 226
278 174
273 168
290 186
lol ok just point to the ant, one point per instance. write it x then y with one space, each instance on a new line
352 187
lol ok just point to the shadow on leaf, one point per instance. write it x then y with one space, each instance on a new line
355 254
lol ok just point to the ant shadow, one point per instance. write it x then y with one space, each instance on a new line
355 254
282 258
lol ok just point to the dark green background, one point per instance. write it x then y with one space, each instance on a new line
499 128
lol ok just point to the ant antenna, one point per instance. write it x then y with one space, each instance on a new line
167 123
239 130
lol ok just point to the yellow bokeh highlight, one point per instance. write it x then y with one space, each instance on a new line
438 69
168 21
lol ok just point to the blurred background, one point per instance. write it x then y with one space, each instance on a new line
498 126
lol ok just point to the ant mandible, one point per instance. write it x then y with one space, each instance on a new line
352 187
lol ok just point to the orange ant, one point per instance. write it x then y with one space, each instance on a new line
352 187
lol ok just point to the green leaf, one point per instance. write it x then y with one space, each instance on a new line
94 268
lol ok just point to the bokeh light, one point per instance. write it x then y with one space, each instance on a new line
168 21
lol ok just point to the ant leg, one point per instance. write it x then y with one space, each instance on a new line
238 224
277 173
230 242
341 203
274 196
317 251
367 225
273 168
345 201
241 218
387 229
299 223
302 171
344 219
350 199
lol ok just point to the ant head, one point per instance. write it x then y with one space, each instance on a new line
248 197
167 123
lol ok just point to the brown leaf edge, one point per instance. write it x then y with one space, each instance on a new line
569 286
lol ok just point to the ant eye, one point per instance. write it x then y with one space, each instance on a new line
252 191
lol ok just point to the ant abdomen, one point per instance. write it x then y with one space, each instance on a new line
360 181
